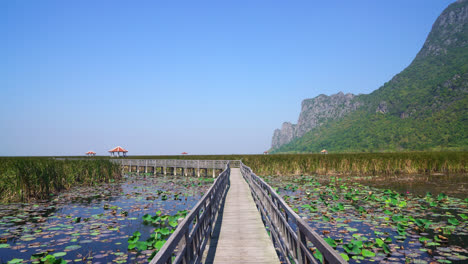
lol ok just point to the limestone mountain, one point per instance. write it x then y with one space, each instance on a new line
314 113
425 107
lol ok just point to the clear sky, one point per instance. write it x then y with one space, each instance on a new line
205 77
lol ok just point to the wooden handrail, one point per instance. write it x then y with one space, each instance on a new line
187 243
289 232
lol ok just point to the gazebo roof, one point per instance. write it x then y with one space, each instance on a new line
90 152
184 153
118 149
324 150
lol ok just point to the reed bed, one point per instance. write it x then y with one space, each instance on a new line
360 164
352 163
24 179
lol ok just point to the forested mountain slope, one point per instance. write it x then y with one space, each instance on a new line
422 108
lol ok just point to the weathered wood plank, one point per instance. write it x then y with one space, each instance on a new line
243 238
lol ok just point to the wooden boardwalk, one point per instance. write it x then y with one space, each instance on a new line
226 227
242 238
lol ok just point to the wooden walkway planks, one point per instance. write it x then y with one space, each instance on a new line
243 238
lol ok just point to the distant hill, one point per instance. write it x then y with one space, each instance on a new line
425 107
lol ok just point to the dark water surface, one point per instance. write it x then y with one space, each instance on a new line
94 223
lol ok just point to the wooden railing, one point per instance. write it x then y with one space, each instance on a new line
290 234
210 164
187 243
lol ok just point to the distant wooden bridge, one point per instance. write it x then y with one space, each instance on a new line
230 222
174 167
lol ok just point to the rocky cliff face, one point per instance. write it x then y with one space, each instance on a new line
314 113
448 31
284 135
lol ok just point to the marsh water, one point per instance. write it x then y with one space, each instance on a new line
93 223
387 219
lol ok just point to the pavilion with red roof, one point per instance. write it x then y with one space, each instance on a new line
117 150
90 153
184 153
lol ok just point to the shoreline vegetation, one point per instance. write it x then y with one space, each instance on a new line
26 178
23 179
344 163
361 164
348 163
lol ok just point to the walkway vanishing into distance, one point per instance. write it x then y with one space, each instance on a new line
243 238
229 224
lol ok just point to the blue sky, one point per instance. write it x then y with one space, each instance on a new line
205 77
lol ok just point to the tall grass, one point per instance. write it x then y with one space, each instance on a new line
362 164
23 179
353 163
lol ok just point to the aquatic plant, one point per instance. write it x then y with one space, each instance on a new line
23 179
367 224
165 226
46 258
86 231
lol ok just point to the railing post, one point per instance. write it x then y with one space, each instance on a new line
301 240
188 248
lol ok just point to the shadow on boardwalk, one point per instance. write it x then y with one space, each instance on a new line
210 255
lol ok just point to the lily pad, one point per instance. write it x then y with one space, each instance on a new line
72 247
15 260
59 254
